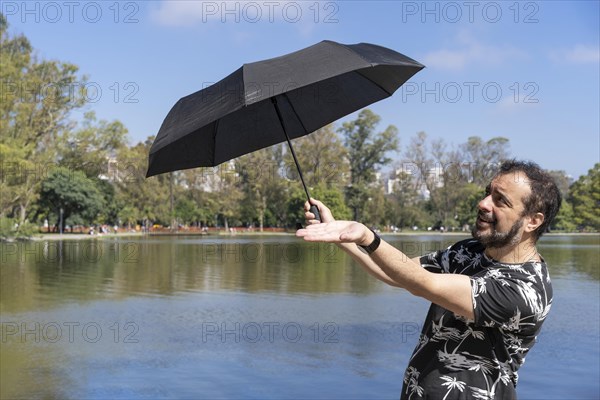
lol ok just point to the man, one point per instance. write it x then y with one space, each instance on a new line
490 295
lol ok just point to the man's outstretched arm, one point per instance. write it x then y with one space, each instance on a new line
451 291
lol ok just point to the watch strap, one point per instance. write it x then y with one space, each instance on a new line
370 249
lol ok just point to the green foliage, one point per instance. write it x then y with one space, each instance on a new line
35 106
264 190
187 212
367 152
74 193
483 157
90 147
584 195
109 214
129 215
322 158
7 228
565 219
466 208
334 199
149 197
27 230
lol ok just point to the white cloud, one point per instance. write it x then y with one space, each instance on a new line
578 54
516 103
446 59
193 12
469 51
179 13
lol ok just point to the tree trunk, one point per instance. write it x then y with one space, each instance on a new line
262 212
22 213
261 217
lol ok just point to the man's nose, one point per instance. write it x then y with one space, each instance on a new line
486 203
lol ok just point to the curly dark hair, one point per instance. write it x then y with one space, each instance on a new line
545 196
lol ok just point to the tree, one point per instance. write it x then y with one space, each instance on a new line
584 195
150 197
404 209
15 58
129 215
112 206
322 157
186 211
366 155
37 99
565 219
18 181
466 208
260 178
563 182
334 199
230 193
452 180
375 209
484 157
71 194
92 146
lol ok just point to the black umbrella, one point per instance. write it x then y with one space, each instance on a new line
266 102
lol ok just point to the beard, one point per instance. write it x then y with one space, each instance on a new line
496 239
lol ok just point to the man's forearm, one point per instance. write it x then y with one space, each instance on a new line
390 265
399 267
367 263
451 291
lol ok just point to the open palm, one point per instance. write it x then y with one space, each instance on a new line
333 232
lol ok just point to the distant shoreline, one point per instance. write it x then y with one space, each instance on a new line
108 236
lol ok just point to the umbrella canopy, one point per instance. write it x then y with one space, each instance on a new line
265 102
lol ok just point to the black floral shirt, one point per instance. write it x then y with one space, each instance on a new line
457 358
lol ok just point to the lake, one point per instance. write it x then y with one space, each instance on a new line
252 317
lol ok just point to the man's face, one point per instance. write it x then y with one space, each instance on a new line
500 217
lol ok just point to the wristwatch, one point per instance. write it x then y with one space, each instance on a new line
374 244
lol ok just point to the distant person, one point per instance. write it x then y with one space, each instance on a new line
490 294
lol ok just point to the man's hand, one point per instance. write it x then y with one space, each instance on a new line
337 232
325 212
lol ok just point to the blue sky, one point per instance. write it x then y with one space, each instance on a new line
529 71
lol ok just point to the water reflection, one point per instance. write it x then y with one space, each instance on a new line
569 254
164 292
44 274
39 366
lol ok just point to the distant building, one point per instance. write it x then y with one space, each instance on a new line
433 177
211 178
112 170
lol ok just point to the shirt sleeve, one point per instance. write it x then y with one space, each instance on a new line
448 260
433 262
512 298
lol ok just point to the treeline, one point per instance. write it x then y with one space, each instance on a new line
85 172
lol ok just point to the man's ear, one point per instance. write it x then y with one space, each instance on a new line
534 222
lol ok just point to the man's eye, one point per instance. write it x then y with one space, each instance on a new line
499 200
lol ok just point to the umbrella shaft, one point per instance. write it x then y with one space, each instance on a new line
289 142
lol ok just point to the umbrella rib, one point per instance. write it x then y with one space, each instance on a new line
295 113
371 65
374 83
